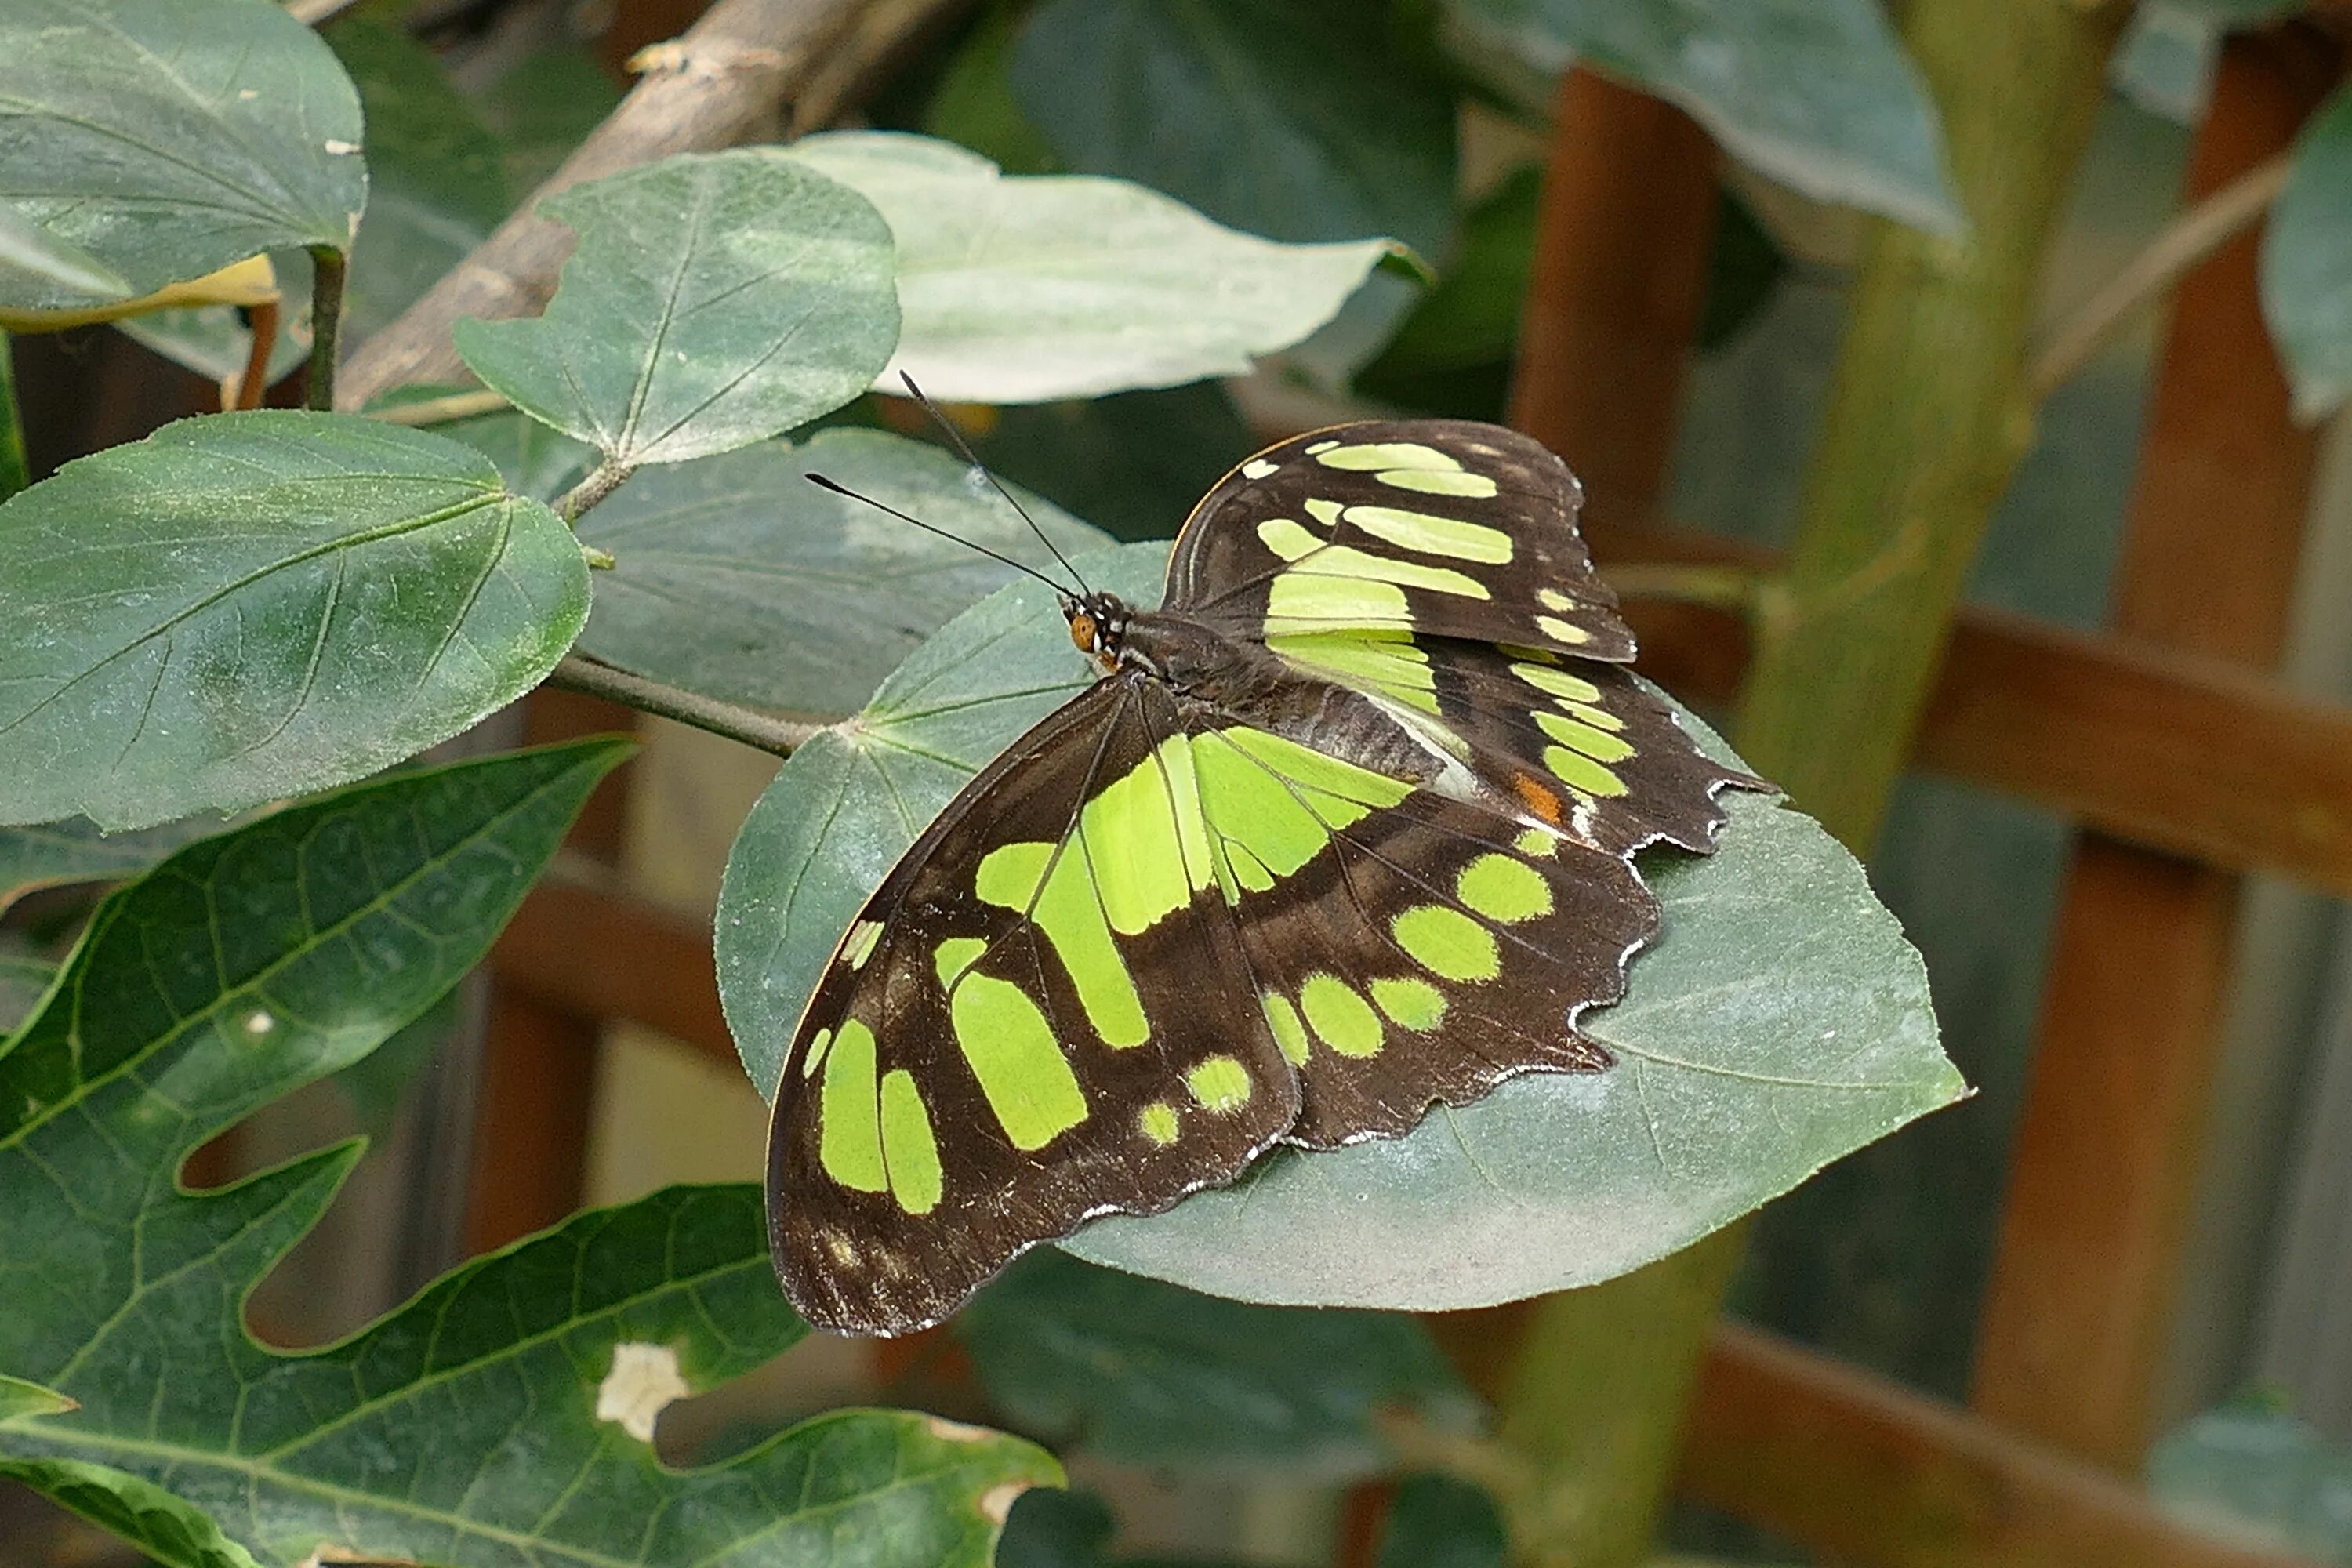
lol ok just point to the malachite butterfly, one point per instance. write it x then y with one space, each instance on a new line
1344 830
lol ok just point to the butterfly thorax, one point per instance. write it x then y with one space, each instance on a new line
1218 681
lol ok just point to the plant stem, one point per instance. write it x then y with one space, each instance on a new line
16 471
2183 243
327 270
1733 588
581 498
442 410
1927 416
762 731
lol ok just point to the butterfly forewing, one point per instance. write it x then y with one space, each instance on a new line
1428 527
1019 1031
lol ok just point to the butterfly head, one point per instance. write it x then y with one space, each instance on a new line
1098 628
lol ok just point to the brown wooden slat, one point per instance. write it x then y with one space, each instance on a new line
1857 1468
594 952
2079 1311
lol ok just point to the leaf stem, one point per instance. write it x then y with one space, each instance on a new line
2175 250
246 391
602 480
443 410
761 732
1733 588
327 270
15 470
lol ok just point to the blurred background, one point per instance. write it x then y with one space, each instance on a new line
2182 1192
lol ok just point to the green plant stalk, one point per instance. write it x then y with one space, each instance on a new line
16 471
327 270
1928 417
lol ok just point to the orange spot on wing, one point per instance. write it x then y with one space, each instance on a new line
1541 800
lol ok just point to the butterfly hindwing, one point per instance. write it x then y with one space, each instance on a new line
1431 527
1015 1033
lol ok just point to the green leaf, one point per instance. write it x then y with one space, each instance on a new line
1030 289
738 578
170 139
1437 1521
1781 1022
376 1085
23 980
532 459
1817 94
1298 121
1071 1530
464 1429
36 264
545 106
58 854
974 105
160 1525
251 606
2307 262
715 298
18 1398
435 187
2258 1476
1141 1373
1133 462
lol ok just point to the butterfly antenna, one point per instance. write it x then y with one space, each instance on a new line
947 425
823 483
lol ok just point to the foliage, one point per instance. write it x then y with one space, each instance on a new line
2252 1472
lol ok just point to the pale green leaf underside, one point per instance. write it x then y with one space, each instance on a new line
1817 94
1781 1022
738 578
463 1429
2307 263
714 300
246 606
1030 288
169 139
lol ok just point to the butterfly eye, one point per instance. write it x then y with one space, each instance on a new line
1082 632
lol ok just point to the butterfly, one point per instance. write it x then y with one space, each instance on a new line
1343 830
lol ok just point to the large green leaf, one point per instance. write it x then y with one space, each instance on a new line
715 299
36 264
738 578
1144 1372
1297 121
1134 462
251 606
1818 94
488 1422
436 186
58 853
1437 1521
23 980
1781 1022
169 139
1029 290
2307 262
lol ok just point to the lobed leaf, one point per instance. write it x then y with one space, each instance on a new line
168 140
23 980
1300 122
1818 94
58 854
1024 290
1144 1372
736 577
496 1420
2306 264
715 299
1781 1022
251 606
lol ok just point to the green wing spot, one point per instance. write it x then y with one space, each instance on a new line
814 1058
1503 889
859 944
1323 510
849 1122
1288 538
1288 1032
1579 772
1347 561
1307 601
1557 682
1071 915
1414 1004
1370 457
1433 483
1275 802
1339 1016
1218 1083
1157 1122
1553 625
1598 745
1012 1050
1388 661
1598 717
1538 843
955 956
1343 792
908 1150
1144 837
1434 535
1447 942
